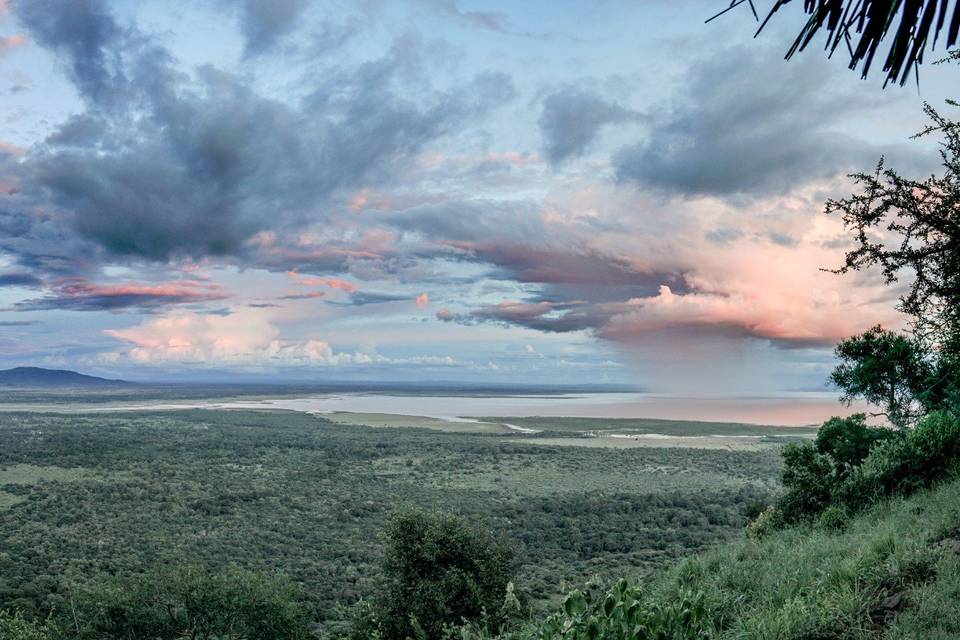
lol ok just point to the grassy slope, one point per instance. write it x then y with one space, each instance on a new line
811 583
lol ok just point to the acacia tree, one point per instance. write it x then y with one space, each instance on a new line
886 369
912 226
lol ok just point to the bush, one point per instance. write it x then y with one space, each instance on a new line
847 441
625 612
807 480
935 442
440 572
834 517
187 603
927 453
768 520
14 627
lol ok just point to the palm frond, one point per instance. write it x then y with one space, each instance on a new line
912 27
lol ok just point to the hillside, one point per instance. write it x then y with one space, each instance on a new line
893 572
37 377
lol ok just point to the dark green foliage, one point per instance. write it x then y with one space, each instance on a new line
847 441
928 453
851 466
807 482
886 369
439 572
186 603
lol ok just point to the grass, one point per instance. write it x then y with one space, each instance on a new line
893 572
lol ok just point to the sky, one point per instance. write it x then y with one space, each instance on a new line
588 192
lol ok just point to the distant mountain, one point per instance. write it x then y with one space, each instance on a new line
36 377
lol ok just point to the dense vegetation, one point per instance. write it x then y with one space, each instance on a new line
86 497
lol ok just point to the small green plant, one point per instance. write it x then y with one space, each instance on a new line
768 520
834 517
625 612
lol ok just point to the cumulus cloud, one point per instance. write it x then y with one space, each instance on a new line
572 118
247 337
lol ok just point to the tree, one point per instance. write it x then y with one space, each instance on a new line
886 369
847 441
861 26
901 224
440 571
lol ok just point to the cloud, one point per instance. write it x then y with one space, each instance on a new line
246 337
8 43
572 118
362 298
20 280
263 22
422 300
487 20
167 165
748 124
78 295
333 283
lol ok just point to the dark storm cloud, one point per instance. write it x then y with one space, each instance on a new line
572 118
19 280
540 316
748 124
166 164
263 22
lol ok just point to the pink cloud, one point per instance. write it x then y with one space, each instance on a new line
76 294
8 43
247 337
8 147
333 283
422 300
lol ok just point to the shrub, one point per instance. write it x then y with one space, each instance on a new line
807 481
14 627
768 520
928 452
440 572
625 612
935 442
848 440
187 603
834 517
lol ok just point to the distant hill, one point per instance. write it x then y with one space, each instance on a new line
37 377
